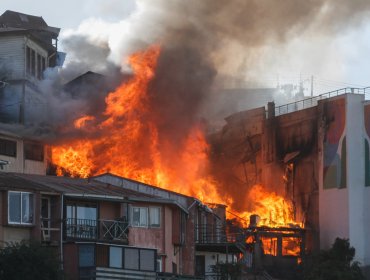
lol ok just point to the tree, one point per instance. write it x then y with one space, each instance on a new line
29 261
334 264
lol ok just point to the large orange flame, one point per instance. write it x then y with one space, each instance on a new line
128 142
273 210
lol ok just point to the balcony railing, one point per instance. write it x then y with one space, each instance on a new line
312 101
97 230
114 230
81 228
210 234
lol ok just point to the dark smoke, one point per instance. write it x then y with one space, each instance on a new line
203 43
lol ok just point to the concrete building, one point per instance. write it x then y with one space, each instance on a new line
315 153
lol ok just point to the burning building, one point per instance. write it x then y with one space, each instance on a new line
286 167
314 153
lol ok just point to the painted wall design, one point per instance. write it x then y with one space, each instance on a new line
367 141
335 151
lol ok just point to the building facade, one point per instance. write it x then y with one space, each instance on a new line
315 153
28 46
101 230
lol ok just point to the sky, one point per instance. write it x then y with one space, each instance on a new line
341 61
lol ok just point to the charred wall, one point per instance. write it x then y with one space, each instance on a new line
278 152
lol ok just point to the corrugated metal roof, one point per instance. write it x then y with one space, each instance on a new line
63 185
77 188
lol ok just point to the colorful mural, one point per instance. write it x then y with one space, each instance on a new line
367 140
335 151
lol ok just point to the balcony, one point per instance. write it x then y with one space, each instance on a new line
81 228
116 230
205 234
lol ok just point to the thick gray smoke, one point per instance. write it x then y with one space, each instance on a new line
204 44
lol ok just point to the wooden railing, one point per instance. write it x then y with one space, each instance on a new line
114 229
97 229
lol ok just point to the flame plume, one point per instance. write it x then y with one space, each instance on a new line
128 142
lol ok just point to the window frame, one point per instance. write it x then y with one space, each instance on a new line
150 224
21 210
6 145
34 151
147 216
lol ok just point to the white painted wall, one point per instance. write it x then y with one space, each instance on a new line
333 203
356 173
345 213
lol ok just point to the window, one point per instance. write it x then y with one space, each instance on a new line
8 148
154 217
86 255
139 216
115 257
81 220
147 260
131 257
28 60
34 151
20 208
35 63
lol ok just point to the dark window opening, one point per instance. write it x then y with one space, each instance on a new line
28 60
33 62
34 151
8 148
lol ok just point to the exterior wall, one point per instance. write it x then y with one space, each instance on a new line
188 249
16 234
157 238
333 194
109 210
22 87
19 164
36 107
70 252
12 55
344 199
366 195
11 97
170 256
